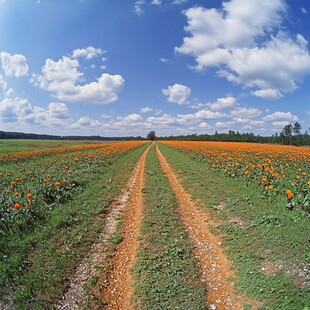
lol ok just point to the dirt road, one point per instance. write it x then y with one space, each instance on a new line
215 269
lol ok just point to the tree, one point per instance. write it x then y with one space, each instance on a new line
297 128
287 133
297 132
151 135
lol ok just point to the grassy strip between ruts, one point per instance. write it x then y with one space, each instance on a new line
166 276
42 260
268 245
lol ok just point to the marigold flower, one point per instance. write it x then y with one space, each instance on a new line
13 183
289 194
16 194
308 183
57 184
45 181
298 177
264 180
29 195
7 191
270 187
17 205
246 172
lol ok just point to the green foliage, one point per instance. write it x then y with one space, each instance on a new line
151 135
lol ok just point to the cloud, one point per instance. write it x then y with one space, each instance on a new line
304 11
223 104
268 93
177 93
162 59
245 41
4 91
138 7
246 112
178 1
223 124
280 116
165 121
20 110
201 115
279 124
156 2
204 125
130 118
86 123
14 65
146 110
88 53
62 77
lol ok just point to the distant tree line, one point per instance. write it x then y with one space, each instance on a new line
290 135
22 135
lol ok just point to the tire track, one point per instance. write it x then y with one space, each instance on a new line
118 287
214 266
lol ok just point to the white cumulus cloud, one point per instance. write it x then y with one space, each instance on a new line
138 7
177 93
245 41
88 53
268 93
63 79
223 104
146 110
14 65
280 116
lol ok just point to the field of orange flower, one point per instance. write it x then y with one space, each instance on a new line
275 170
34 182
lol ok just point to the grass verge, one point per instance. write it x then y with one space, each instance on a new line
165 273
269 246
41 260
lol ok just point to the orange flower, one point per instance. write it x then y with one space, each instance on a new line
298 177
289 194
246 172
57 184
270 187
45 181
264 180
16 194
308 183
17 206
12 183
29 195
7 191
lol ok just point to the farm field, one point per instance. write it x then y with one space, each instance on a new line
164 225
17 145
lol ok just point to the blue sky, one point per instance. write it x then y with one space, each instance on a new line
119 68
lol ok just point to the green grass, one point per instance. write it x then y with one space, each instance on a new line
268 235
41 260
165 273
17 145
